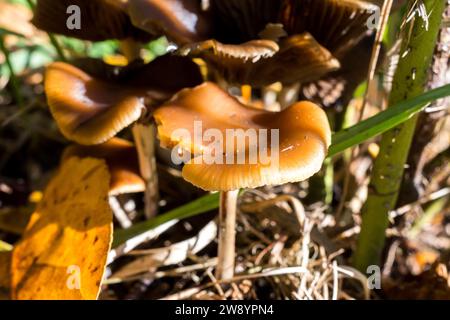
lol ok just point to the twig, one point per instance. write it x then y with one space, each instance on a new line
119 213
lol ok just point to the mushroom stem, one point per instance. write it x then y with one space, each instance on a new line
130 49
227 234
288 95
246 92
144 138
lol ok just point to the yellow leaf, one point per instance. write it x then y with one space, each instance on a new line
5 276
63 252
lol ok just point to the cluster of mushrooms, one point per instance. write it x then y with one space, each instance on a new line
248 44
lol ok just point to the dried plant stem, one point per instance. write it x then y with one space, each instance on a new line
419 39
227 234
144 138
289 94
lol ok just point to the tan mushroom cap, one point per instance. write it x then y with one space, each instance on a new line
121 158
304 138
87 110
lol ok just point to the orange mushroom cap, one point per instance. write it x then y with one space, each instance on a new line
92 109
121 158
304 137
87 110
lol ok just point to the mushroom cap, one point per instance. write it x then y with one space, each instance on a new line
238 21
89 111
121 158
336 24
311 35
100 20
259 63
92 109
304 138
182 21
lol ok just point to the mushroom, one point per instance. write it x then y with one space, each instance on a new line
92 109
122 160
222 155
92 106
251 41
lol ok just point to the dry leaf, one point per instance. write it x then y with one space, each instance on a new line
64 248
5 276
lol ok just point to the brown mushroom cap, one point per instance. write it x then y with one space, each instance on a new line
258 63
238 21
181 20
304 137
92 109
121 158
100 20
336 24
227 35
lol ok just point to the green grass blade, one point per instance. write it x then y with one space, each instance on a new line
196 207
342 140
385 120
15 85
